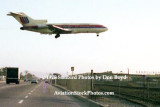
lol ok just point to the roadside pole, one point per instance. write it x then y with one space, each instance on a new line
91 83
91 80
144 85
147 87
72 69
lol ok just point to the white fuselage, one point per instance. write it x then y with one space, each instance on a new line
75 28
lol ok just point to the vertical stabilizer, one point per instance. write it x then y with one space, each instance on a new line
25 20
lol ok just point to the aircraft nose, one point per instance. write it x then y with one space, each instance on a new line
106 28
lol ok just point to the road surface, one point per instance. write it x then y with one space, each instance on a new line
35 95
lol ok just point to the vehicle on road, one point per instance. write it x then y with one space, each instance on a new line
25 80
46 81
12 75
43 27
34 81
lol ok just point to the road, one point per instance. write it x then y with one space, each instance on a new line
35 95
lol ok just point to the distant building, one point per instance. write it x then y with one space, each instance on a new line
148 72
2 72
2 78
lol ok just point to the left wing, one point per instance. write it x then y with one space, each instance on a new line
57 29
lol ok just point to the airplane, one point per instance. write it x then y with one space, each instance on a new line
43 27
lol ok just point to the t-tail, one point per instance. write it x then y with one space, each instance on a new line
25 20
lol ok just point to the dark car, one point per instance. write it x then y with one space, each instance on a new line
34 81
46 81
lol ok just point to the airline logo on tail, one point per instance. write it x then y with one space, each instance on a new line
24 20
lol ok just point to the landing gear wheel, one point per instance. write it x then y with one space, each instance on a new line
97 35
57 36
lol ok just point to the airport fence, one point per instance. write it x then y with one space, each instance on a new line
135 87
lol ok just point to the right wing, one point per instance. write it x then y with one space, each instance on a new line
57 29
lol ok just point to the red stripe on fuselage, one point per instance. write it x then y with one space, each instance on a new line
81 26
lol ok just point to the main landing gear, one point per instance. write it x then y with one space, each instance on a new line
97 34
57 36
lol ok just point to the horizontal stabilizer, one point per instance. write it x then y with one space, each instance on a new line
12 14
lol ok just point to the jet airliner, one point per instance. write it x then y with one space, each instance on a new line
43 27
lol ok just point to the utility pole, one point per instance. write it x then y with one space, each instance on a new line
26 72
128 74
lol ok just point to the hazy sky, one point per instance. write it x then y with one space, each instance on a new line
132 41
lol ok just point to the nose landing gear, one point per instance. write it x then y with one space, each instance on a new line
57 36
